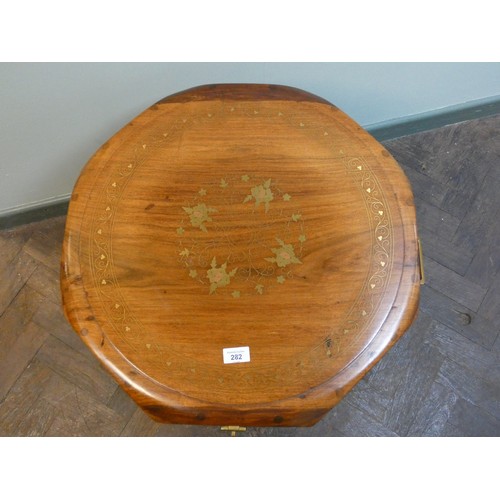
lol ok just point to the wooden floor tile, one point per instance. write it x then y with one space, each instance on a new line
16 357
458 317
17 316
485 265
466 384
140 425
42 245
431 417
46 282
13 276
490 306
435 220
80 414
467 419
82 371
483 362
445 253
15 408
353 422
456 287
480 222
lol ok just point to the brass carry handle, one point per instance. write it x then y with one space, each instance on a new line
421 262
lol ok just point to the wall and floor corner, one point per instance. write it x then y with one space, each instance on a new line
53 116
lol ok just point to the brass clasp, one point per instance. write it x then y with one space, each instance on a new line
233 429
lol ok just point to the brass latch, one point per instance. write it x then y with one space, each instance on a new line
421 262
233 429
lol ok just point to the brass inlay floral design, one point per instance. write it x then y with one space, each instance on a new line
284 255
199 214
261 194
250 264
218 276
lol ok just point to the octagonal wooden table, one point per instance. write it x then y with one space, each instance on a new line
240 255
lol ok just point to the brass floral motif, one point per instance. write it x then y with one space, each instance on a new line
261 194
284 255
252 271
218 276
199 214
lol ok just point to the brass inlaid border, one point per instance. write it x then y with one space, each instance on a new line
381 264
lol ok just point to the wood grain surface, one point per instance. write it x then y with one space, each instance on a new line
240 215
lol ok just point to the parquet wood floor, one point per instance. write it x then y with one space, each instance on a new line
441 379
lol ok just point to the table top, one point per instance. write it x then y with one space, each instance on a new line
240 255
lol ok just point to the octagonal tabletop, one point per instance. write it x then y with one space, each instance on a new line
240 255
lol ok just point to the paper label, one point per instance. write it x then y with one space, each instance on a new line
236 355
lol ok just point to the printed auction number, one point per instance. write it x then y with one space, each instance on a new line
236 354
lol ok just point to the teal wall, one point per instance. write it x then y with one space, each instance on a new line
53 116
